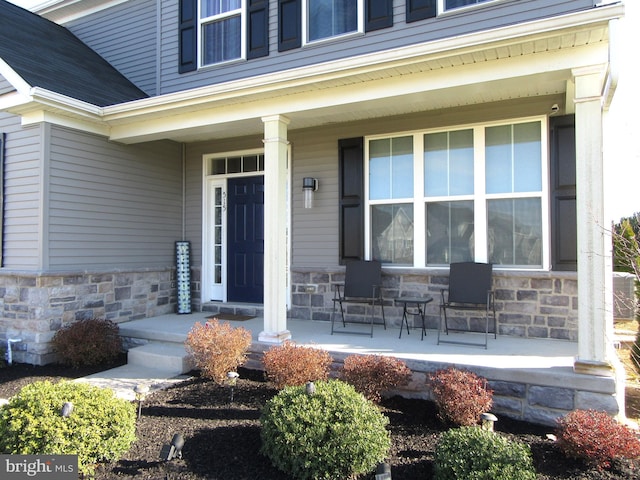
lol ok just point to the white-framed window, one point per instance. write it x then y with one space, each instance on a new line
469 193
326 19
446 5
221 29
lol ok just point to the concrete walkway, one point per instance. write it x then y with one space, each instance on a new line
122 380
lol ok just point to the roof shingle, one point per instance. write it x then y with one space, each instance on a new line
49 56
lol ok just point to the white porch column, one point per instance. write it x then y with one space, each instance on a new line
275 230
595 316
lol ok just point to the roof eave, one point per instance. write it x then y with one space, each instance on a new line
36 104
280 81
40 105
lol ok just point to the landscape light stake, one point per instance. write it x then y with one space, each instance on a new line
488 419
383 471
310 388
232 378
174 449
67 408
141 392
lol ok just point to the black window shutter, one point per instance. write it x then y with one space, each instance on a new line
351 199
289 24
564 220
378 14
258 28
420 10
188 36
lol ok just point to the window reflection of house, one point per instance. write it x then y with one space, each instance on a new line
395 243
516 234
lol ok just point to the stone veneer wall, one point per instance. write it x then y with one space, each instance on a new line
534 395
33 306
528 304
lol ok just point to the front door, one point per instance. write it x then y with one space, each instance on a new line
245 239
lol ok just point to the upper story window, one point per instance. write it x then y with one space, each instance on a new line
332 18
451 4
221 30
466 194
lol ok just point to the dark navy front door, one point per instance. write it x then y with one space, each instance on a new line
245 239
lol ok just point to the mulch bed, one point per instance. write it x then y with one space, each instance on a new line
222 438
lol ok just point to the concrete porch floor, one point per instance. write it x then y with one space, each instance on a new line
532 379
503 353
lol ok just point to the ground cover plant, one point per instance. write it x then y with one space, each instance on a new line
222 439
472 453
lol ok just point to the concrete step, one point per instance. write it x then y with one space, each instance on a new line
252 309
165 356
134 331
123 380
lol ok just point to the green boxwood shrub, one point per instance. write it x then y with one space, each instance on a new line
100 427
470 453
335 433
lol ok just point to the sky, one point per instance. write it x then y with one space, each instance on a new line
622 161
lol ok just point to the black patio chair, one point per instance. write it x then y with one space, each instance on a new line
362 285
470 289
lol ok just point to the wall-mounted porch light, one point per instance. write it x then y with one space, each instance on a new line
309 185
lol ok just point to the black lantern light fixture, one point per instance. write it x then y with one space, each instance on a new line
309 185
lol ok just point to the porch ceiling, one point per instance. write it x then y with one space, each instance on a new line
207 126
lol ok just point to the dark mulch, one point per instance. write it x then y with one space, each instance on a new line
222 438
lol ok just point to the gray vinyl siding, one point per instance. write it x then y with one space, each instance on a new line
112 205
140 39
22 194
315 154
314 235
5 86
486 16
126 36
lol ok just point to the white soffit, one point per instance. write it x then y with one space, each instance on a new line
524 68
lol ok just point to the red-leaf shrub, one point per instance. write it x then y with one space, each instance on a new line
373 374
218 348
461 396
289 364
87 342
596 438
